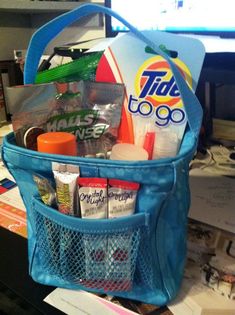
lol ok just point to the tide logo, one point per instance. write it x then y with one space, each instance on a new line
157 92
155 83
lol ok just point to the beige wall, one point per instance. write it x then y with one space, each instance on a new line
14 33
86 28
17 27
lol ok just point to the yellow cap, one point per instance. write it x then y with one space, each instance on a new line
57 143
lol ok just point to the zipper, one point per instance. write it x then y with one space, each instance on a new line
34 154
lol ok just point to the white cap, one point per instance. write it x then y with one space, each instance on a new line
128 151
166 144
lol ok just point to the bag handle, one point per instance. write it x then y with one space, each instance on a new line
47 32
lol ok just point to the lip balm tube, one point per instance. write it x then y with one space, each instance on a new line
66 176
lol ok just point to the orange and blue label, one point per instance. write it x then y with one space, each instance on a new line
156 92
152 96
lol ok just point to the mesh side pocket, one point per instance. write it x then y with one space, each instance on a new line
60 250
99 255
110 260
147 274
48 240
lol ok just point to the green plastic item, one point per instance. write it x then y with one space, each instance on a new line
83 68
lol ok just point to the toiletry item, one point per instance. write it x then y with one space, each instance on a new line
93 197
48 197
30 137
46 190
128 151
121 198
152 94
57 143
166 144
121 202
95 248
100 155
149 143
66 176
120 257
93 204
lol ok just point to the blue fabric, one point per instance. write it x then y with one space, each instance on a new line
154 238
156 234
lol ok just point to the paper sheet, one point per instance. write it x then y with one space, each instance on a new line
83 303
12 209
12 198
212 199
195 298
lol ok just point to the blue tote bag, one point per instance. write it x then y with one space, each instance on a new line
151 243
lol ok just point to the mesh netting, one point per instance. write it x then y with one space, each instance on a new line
107 261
